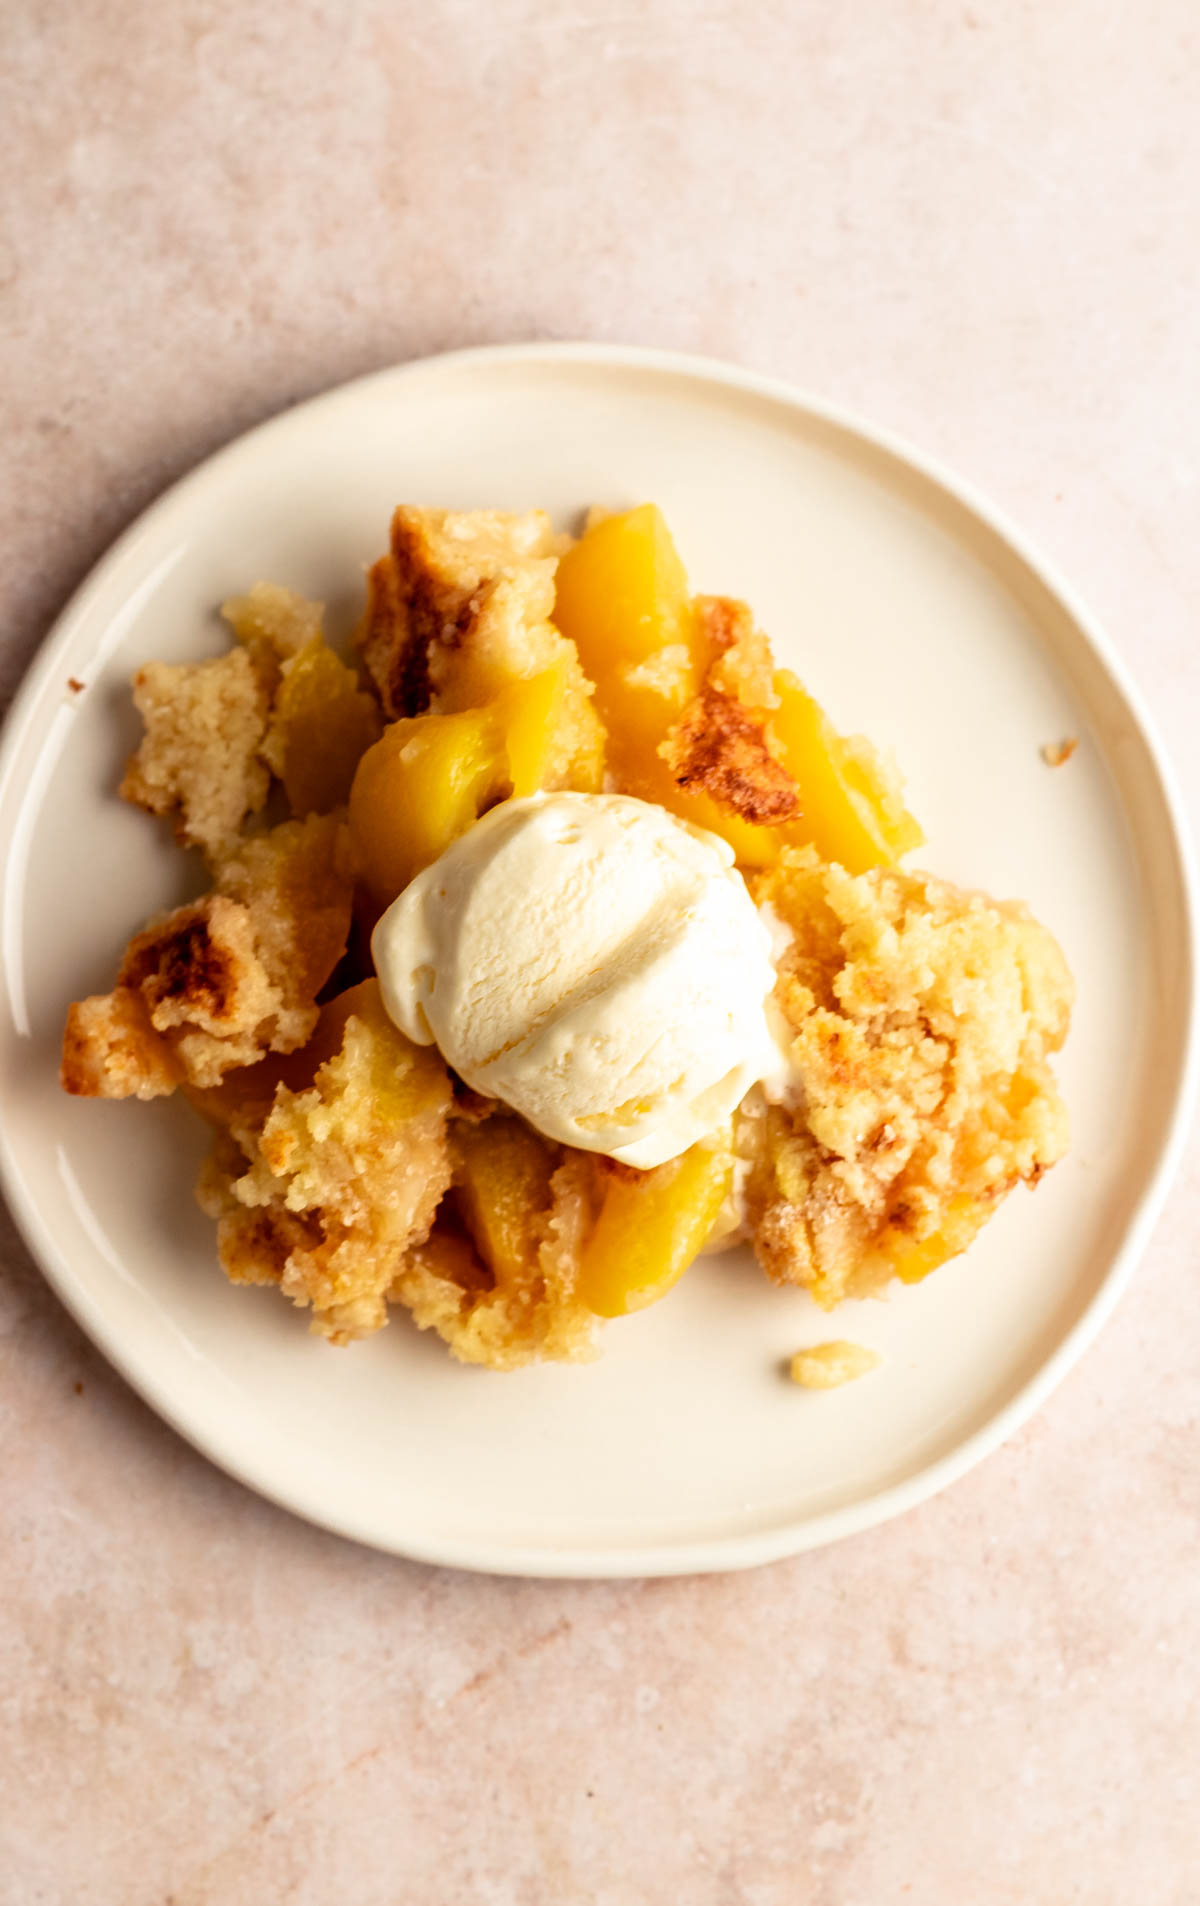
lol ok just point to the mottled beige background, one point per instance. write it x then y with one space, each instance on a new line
976 223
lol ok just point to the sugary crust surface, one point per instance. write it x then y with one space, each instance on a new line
719 748
425 596
721 745
921 1021
216 984
111 1050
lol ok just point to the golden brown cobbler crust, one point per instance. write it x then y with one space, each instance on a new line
721 745
216 984
459 609
719 748
921 1020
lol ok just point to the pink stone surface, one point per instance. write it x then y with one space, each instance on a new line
975 224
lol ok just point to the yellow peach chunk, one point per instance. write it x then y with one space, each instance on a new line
502 1186
622 598
753 845
847 811
533 714
650 1227
422 785
430 777
321 726
911 1260
622 593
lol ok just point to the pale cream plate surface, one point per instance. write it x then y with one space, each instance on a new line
917 619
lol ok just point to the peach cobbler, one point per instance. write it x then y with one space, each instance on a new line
553 939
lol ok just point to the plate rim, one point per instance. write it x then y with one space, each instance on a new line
734 1550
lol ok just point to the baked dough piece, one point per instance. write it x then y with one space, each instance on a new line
921 1019
459 609
219 982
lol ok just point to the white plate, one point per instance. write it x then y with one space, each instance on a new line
916 618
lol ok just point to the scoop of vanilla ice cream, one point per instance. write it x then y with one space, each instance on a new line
592 961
